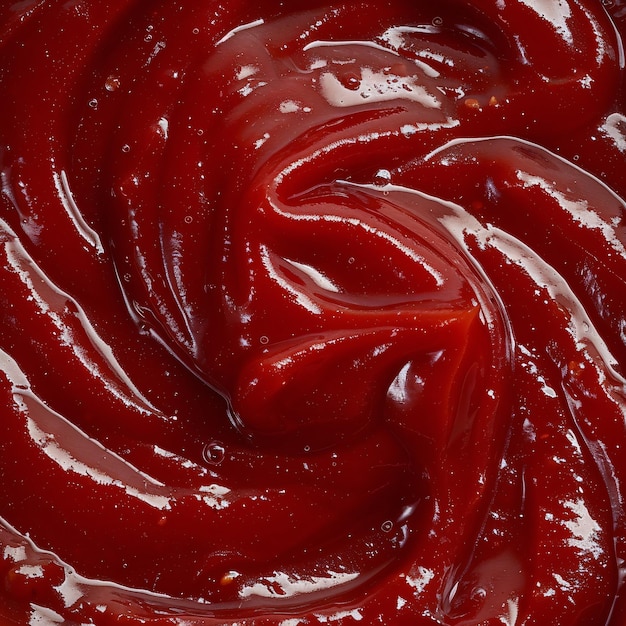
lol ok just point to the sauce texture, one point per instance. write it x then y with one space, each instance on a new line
312 313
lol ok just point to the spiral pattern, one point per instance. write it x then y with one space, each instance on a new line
312 314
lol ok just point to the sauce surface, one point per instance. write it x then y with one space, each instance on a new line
312 314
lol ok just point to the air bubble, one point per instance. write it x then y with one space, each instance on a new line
437 21
229 577
112 83
93 103
386 526
351 260
213 453
195 31
188 219
264 339
382 177
479 592
125 148
351 81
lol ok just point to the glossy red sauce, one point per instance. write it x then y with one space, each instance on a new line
312 314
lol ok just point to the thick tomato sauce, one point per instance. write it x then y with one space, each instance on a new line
312 313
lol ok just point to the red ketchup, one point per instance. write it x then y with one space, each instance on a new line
313 313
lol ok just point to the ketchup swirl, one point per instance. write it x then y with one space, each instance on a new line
312 315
